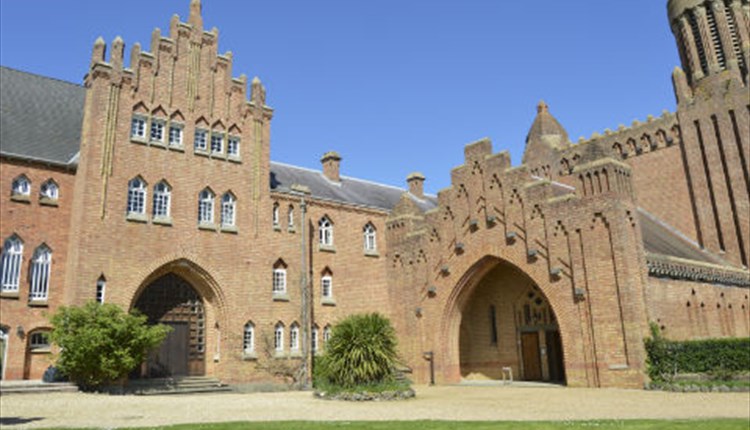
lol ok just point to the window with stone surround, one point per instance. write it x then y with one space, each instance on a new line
370 241
217 143
206 207
294 337
326 334
12 260
156 134
279 278
233 146
201 140
325 232
278 338
40 273
275 216
175 135
326 284
248 339
136 196
290 217
314 338
39 340
49 190
162 200
21 186
228 209
138 127
101 286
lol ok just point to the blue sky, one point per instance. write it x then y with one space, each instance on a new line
393 86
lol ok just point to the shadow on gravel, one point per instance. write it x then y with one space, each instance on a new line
9 421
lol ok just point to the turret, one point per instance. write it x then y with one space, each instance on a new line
545 140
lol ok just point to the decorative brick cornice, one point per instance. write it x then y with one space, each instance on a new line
664 266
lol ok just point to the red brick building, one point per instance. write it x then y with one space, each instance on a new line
151 186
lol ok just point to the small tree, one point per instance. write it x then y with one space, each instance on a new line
361 351
101 343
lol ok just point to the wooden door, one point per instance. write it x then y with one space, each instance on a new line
171 359
555 356
532 366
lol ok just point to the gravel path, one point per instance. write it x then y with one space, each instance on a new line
435 403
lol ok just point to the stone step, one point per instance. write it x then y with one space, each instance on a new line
34 387
176 385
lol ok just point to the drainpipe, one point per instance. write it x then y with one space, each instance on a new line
305 378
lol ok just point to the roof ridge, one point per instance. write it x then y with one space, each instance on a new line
51 78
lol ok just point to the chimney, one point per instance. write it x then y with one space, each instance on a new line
416 184
331 161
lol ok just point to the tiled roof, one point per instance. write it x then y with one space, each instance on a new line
660 238
40 117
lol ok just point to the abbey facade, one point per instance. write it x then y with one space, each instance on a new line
151 186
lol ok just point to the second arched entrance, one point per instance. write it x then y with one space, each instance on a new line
171 300
508 323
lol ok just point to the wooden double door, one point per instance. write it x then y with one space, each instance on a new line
172 301
537 355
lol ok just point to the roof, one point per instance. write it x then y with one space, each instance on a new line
660 238
353 191
40 117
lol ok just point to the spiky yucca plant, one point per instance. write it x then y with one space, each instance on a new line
361 351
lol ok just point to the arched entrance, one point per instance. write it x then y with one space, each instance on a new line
172 301
507 322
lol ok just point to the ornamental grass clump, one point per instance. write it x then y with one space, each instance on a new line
360 355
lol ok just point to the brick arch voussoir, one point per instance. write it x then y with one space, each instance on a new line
188 266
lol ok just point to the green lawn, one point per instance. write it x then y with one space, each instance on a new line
718 424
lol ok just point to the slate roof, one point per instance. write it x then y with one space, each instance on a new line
660 238
40 117
350 190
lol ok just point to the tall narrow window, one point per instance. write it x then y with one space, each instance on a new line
175 135
138 127
314 339
371 244
294 337
12 259
278 337
217 143
206 207
493 325
21 186
233 146
275 215
49 190
201 139
326 286
248 338
136 196
279 278
228 206
326 335
40 271
325 231
162 195
290 217
101 286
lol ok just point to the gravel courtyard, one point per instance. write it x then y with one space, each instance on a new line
436 403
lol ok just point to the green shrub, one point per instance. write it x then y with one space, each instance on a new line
721 358
101 343
360 352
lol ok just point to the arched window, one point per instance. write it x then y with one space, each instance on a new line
137 196
314 338
371 244
228 206
326 335
162 195
12 259
275 215
325 231
279 278
101 286
21 186
290 217
248 338
49 190
326 284
206 207
278 337
40 271
294 337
